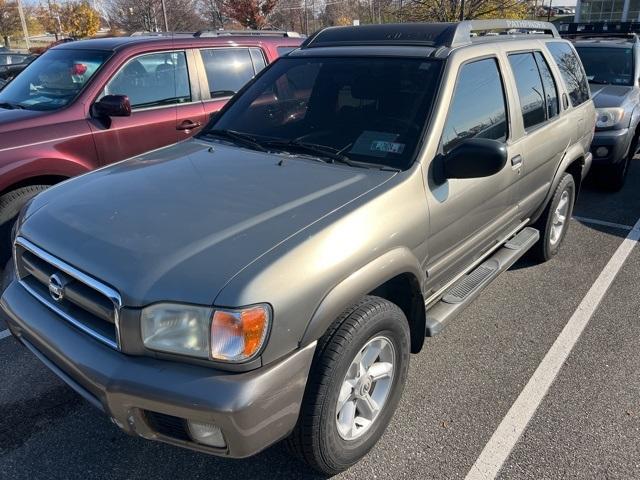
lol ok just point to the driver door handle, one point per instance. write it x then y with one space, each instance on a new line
188 125
516 161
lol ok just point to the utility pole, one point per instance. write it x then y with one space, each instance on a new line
461 10
549 11
25 31
306 19
164 14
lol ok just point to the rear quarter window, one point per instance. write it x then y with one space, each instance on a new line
571 71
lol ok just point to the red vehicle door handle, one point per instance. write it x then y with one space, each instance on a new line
188 125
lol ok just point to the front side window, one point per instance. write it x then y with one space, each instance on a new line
530 89
478 108
370 110
228 69
52 80
607 65
153 80
571 71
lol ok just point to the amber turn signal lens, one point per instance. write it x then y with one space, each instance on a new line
238 334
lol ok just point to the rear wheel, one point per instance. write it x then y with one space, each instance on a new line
554 222
355 383
10 205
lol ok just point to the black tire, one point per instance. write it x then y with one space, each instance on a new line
316 439
546 248
10 205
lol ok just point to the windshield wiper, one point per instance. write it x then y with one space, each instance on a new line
320 151
11 106
237 137
599 82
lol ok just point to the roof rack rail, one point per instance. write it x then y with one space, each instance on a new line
600 29
161 34
450 35
249 33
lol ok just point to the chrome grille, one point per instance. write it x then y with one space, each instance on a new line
76 297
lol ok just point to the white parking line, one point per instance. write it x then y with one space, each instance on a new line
604 223
497 450
5 334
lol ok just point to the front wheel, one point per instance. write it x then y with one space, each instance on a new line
356 380
554 222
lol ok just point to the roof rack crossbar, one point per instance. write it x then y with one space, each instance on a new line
436 35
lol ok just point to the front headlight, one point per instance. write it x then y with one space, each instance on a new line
230 335
608 117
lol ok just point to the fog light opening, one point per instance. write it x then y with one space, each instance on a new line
602 151
206 434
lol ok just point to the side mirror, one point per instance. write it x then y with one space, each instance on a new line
474 158
112 106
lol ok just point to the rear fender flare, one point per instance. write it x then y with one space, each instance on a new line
574 153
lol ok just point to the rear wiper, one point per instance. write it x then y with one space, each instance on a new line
237 137
322 151
11 106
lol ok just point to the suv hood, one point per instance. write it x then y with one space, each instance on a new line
605 96
177 224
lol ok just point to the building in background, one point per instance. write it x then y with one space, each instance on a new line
607 11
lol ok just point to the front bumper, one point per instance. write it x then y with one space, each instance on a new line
616 143
253 409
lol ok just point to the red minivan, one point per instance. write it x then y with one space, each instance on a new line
89 103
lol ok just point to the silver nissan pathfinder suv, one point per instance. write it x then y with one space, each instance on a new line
269 278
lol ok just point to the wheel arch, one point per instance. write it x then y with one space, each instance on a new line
573 163
395 276
36 180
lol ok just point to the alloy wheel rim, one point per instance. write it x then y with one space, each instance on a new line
365 388
559 218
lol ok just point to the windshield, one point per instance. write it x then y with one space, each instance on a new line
52 80
607 65
365 110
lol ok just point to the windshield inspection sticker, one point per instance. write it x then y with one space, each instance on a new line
377 144
388 147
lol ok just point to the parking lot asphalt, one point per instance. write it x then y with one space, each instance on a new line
460 386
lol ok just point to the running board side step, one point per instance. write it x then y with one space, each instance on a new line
457 297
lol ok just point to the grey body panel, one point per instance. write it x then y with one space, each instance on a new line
255 409
177 224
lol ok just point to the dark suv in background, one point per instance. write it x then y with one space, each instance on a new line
85 104
610 54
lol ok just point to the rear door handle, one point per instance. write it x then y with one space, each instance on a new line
516 161
188 125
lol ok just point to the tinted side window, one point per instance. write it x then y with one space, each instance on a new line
258 59
549 84
571 71
153 80
228 69
529 87
478 105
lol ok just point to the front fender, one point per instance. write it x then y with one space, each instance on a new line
366 279
21 170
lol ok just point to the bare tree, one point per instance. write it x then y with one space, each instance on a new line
213 12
